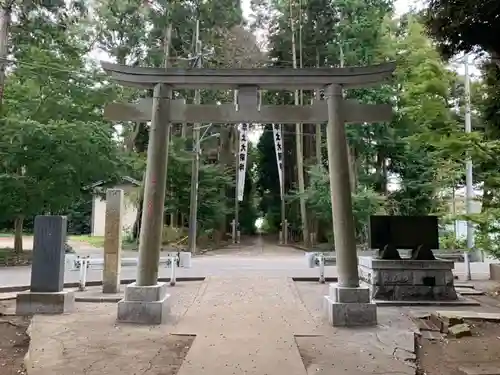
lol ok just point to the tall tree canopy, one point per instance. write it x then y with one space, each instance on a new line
465 26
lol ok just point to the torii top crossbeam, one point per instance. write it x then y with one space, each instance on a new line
264 78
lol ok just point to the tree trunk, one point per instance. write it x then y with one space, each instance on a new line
299 139
18 234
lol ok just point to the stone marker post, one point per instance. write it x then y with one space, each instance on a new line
46 295
233 231
348 304
146 301
112 241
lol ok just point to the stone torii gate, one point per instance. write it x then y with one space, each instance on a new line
146 300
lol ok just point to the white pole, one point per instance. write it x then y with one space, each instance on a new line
195 170
83 273
173 264
321 269
469 191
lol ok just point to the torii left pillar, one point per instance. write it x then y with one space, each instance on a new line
347 304
146 301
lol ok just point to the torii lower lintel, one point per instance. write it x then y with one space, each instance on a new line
317 113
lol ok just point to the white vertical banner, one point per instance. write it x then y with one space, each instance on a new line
242 160
278 146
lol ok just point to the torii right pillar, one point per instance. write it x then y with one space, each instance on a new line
347 304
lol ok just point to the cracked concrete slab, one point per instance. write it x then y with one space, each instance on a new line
90 342
260 324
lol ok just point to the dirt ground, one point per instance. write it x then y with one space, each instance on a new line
14 343
443 357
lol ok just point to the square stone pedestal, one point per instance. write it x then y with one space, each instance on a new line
29 303
408 280
350 307
144 304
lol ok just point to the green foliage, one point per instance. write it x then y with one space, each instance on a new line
448 241
365 202
213 178
45 167
464 25
488 233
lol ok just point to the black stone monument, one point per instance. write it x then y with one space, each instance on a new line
47 294
418 233
47 270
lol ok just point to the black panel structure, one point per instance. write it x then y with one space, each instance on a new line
417 233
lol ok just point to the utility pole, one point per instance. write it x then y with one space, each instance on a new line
193 207
5 18
284 223
469 190
298 143
319 158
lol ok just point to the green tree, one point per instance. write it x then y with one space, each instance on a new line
45 167
464 26
54 141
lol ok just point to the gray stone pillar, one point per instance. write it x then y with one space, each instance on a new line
154 188
46 295
112 241
146 301
338 164
347 304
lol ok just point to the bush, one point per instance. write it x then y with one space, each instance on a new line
171 235
449 242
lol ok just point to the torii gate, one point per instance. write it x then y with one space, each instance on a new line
351 303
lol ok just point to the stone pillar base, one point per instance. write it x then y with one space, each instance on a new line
29 303
144 304
350 307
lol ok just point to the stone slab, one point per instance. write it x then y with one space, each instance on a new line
8 296
464 285
469 292
460 330
470 315
29 303
491 368
98 299
429 335
349 295
494 271
458 302
405 264
150 293
341 314
185 259
144 312
47 270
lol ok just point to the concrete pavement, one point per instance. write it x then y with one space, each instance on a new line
251 325
291 264
201 266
